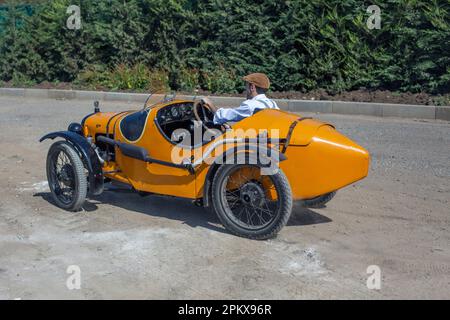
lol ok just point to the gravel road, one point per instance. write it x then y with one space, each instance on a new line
129 247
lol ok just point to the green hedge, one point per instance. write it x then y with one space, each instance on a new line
183 44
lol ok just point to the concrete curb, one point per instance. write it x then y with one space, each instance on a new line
338 107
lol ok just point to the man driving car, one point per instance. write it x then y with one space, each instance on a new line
257 85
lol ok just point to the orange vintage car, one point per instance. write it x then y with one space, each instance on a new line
248 172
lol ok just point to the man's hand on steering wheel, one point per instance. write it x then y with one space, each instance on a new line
204 112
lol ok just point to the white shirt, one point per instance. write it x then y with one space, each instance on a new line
246 109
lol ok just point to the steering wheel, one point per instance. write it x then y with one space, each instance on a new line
204 113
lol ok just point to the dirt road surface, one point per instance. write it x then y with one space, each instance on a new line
129 247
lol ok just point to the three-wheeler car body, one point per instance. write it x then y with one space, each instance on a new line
248 172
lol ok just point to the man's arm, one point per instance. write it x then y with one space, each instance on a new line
225 115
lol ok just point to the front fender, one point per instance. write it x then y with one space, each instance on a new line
88 155
271 155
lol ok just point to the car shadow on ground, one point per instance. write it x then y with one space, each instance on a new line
178 209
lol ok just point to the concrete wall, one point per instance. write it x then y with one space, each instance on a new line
339 107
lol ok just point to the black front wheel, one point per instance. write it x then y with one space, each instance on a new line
66 176
249 204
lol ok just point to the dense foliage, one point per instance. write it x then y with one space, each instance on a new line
185 44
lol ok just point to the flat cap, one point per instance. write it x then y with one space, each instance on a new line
258 79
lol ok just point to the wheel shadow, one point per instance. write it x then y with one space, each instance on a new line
172 208
178 209
302 216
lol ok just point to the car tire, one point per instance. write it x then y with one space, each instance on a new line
71 177
284 200
319 202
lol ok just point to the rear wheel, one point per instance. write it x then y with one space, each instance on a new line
249 204
320 201
66 176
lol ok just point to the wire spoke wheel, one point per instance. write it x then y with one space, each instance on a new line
247 196
63 176
250 204
66 176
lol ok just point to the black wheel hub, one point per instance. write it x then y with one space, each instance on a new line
252 194
66 175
